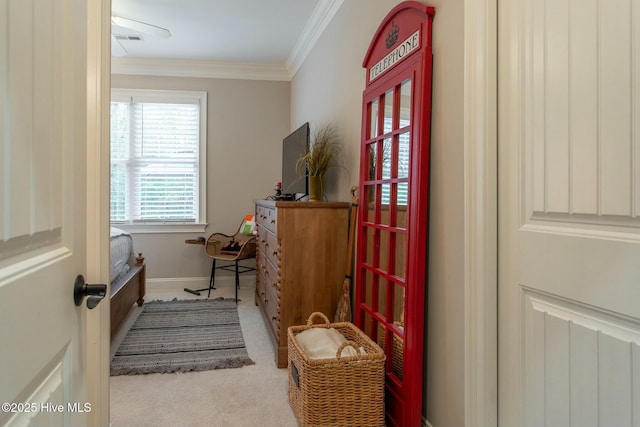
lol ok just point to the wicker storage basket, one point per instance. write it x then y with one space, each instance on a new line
342 391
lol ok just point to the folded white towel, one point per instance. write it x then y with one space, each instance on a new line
323 343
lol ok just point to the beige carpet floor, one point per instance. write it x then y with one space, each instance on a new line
253 395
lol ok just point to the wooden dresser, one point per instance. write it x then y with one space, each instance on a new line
302 250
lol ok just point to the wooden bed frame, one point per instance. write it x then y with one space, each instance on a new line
129 289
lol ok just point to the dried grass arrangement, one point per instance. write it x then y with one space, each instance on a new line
322 154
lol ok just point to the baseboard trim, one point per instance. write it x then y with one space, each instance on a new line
426 423
178 283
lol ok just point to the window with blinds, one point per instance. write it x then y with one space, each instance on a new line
157 157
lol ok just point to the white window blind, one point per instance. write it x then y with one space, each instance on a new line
157 158
403 164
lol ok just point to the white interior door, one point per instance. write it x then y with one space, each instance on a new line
44 106
569 195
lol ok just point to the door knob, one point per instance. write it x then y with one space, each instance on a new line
94 293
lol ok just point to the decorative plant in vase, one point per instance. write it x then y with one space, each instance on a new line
322 155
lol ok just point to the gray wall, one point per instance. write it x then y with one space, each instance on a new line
246 122
328 88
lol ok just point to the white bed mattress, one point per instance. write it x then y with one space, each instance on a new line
122 255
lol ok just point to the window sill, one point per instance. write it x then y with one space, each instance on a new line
159 228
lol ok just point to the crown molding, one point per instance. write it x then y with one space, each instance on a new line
319 20
203 69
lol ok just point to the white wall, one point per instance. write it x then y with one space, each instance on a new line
247 120
328 88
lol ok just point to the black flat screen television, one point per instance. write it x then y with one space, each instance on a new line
294 180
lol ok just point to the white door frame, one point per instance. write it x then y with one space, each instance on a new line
481 212
97 209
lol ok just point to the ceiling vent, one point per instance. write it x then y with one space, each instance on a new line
129 38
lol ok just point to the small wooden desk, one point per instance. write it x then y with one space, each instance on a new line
195 242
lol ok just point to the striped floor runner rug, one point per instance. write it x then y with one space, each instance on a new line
182 336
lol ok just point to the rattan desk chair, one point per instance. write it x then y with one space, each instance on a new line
230 249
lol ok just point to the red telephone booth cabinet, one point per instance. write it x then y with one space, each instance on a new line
391 255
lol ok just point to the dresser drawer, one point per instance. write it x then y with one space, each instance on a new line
268 275
272 250
273 314
268 242
272 276
270 304
262 238
266 217
261 285
261 266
